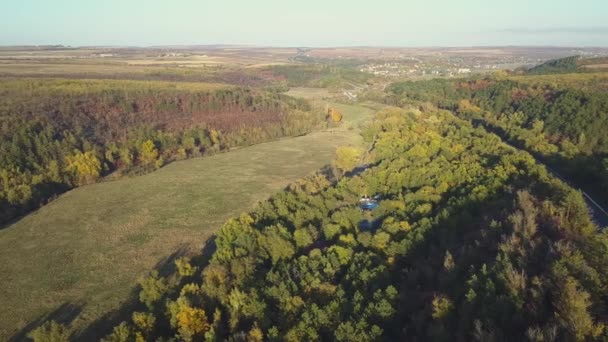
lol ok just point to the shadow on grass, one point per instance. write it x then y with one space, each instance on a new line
64 314
166 267
67 312
10 215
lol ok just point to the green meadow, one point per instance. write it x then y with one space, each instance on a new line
89 246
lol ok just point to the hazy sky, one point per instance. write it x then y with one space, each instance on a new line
305 22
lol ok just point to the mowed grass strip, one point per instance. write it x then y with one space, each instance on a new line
91 245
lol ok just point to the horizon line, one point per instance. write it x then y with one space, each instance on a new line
219 45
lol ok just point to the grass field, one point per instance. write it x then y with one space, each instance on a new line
88 247
321 97
310 93
79 86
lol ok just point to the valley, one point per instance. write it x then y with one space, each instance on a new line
89 246
215 193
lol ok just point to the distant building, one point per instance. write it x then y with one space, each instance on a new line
350 95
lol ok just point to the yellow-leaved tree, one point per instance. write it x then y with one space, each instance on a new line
144 321
50 331
347 158
148 152
191 322
85 167
255 334
334 114
184 267
215 137
466 107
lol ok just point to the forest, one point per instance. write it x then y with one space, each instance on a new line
58 134
562 65
566 65
563 123
471 240
446 227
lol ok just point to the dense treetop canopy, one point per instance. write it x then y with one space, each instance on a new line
471 240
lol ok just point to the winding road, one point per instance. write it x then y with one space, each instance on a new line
600 215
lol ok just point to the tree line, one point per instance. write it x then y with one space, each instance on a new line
565 125
59 134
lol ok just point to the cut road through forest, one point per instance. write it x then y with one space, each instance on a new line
600 214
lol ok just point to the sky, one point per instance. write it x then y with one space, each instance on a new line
313 23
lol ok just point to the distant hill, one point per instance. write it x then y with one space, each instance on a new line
562 65
569 65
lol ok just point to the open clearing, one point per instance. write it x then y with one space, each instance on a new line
89 247
310 93
596 66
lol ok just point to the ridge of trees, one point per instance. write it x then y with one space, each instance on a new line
571 64
59 134
564 125
560 65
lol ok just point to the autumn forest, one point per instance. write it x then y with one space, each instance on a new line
351 205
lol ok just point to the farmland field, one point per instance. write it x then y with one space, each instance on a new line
88 247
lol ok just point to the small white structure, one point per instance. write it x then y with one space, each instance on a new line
351 96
